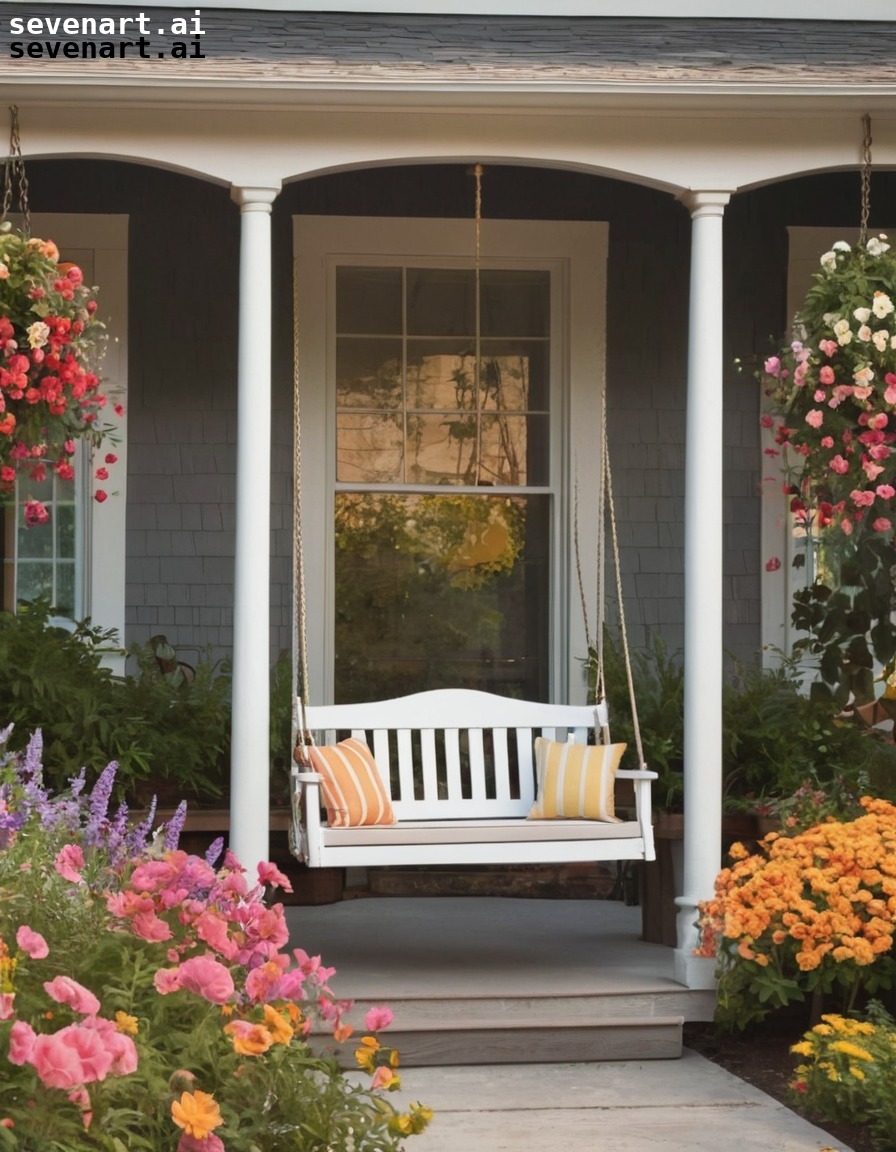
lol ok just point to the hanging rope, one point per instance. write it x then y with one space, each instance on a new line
14 172
866 179
477 267
300 678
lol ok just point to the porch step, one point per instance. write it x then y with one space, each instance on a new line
472 1038
530 1030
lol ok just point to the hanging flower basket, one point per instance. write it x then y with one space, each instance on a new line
50 346
833 390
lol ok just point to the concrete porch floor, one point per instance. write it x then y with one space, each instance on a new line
399 946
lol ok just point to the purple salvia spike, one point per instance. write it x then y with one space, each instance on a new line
175 826
213 855
140 833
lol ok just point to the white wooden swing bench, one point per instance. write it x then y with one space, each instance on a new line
459 768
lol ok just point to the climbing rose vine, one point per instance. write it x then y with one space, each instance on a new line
50 346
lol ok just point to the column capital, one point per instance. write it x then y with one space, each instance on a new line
704 202
254 199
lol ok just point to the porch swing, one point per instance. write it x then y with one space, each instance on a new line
453 775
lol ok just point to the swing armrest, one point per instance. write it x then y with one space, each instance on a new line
636 774
308 777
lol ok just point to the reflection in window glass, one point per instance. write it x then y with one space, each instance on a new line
45 565
450 587
438 591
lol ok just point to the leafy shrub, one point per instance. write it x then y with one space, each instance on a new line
156 725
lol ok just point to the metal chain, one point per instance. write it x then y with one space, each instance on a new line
14 170
477 172
866 179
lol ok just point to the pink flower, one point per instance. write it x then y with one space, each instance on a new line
820 396
81 1098
7 1005
64 990
208 978
102 474
35 513
839 465
69 447
380 1017
166 980
69 862
827 441
767 421
32 943
826 374
861 498
882 524
846 526
773 366
829 347
269 873
71 1057
21 1042
885 491
120 1046
815 418
878 420
209 1143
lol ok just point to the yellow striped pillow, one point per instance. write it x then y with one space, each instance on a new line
575 781
353 789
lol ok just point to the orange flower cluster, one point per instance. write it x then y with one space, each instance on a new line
824 897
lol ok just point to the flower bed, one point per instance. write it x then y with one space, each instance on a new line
148 1000
807 916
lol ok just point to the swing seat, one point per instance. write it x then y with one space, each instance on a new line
459 769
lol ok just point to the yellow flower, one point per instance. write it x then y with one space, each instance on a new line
197 1113
366 1054
856 1072
126 1024
803 1048
849 1049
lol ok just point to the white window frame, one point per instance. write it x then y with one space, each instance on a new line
100 547
576 253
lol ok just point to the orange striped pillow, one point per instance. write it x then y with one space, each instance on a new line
575 781
353 789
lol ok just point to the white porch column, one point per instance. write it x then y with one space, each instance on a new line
702 583
249 763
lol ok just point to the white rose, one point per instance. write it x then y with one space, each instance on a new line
881 339
864 375
842 246
863 315
881 305
38 334
864 333
829 261
876 245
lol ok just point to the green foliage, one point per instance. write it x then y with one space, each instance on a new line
157 725
850 622
776 739
659 695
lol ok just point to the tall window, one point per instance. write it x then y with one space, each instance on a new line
443 503
441 491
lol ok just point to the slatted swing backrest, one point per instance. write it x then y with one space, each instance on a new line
455 753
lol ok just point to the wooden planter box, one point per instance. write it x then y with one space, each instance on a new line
661 878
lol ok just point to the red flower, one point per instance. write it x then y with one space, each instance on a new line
100 495
102 473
